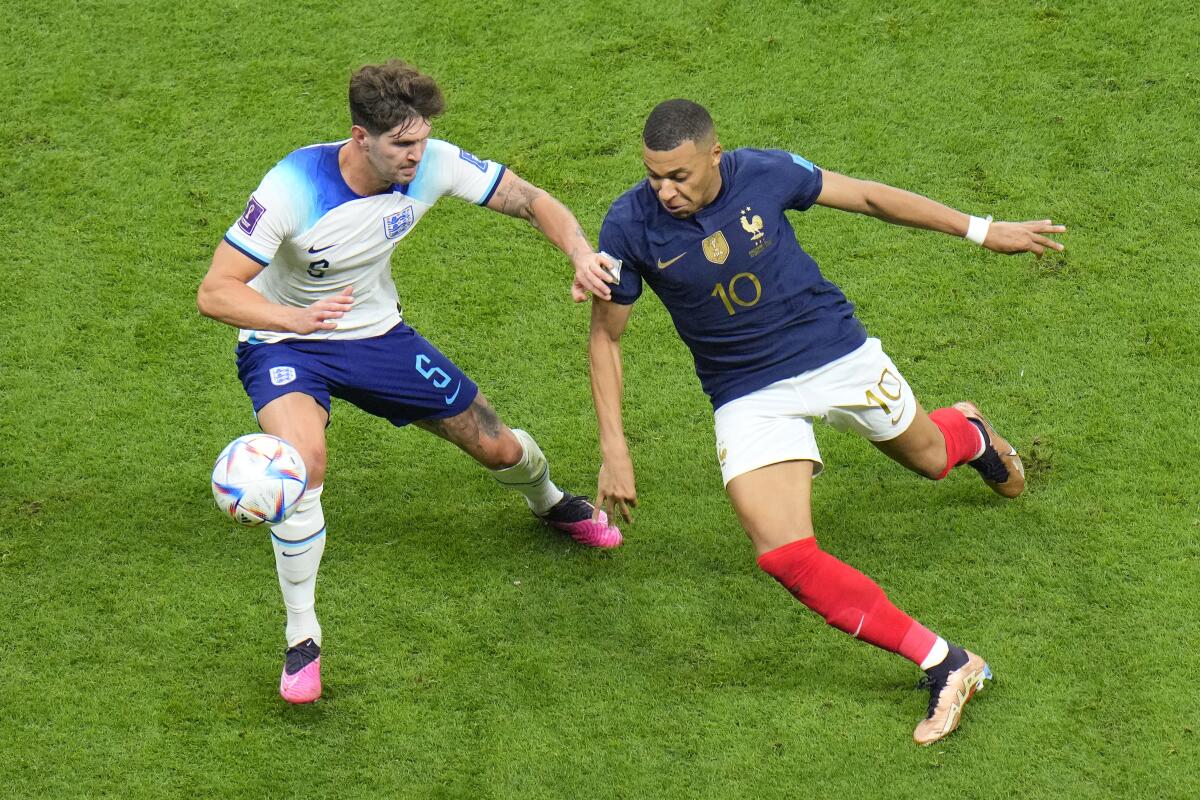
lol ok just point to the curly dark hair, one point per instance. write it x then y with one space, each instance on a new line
383 96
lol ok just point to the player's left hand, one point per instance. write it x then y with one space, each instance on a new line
1023 237
592 274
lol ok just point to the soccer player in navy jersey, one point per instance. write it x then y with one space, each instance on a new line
776 346
305 273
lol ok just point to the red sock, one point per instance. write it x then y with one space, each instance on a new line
962 437
847 599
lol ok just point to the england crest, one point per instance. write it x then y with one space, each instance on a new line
395 225
281 376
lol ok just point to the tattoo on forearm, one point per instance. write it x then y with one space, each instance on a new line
516 200
583 246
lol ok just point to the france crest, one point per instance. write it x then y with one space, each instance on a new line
396 224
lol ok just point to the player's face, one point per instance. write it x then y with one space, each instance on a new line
685 179
395 155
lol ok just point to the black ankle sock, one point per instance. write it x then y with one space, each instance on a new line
301 656
953 660
987 442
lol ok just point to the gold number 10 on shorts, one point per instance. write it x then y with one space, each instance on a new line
731 293
890 387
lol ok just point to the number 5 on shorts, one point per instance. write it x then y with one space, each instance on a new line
435 375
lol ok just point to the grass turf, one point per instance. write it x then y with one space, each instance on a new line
470 653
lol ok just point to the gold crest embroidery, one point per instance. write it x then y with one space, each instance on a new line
753 225
716 248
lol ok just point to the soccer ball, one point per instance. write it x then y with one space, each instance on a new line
258 479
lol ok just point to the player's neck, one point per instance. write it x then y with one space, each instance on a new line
357 173
710 196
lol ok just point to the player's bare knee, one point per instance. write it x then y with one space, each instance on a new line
314 455
928 461
500 452
931 466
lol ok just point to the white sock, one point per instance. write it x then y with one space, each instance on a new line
299 543
937 654
530 476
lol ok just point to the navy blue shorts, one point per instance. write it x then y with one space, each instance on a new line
399 376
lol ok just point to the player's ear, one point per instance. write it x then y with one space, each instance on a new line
359 134
716 152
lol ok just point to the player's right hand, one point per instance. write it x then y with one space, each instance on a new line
1023 237
323 314
615 489
593 273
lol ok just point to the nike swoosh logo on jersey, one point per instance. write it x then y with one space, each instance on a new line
450 400
664 264
315 250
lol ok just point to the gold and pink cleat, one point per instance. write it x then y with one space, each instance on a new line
573 516
301 678
947 699
999 466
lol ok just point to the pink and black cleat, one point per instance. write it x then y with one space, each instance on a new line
301 678
573 516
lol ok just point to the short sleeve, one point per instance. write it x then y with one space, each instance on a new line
271 216
614 242
448 169
802 181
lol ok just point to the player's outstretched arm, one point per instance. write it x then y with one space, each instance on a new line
901 207
615 489
225 296
519 198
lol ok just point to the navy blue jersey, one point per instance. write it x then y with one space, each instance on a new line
750 304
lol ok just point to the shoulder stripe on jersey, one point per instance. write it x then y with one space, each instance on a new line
492 190
802 161
247 251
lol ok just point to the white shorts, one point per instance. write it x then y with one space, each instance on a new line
862 392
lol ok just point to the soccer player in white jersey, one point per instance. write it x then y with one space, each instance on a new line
777 346
305 275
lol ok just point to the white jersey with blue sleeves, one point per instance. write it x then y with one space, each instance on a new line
315 236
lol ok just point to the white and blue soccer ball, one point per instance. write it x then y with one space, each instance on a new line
258 479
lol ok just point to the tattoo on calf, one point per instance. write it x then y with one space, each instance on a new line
435 426
469 428
489 422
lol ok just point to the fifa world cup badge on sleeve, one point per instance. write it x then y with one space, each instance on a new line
472 159
250 217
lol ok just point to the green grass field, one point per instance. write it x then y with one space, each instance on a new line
471 653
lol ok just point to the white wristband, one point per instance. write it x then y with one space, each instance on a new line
977 228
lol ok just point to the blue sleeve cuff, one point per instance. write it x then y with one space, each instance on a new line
247 252
492 190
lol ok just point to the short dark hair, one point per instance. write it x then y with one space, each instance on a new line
673 122
383 96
